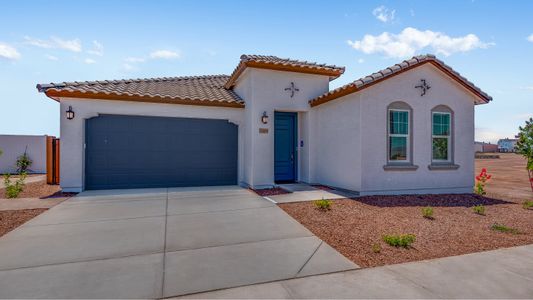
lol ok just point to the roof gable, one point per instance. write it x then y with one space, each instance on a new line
397 69
282 64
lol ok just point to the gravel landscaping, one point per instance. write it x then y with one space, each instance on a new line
11 219
38 190
270 192
356 227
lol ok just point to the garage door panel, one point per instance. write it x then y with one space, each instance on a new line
136 152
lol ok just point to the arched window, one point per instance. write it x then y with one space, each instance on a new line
441 135
399 136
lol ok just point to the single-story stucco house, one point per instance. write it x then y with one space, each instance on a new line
406 129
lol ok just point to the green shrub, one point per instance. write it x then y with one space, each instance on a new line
376 248
479 209
323 204
427 212
403 240
13 189
503 228
23 163
527 204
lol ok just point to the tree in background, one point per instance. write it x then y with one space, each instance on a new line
524 146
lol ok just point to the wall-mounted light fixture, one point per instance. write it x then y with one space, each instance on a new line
70 113
264 118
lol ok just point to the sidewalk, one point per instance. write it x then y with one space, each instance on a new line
503 273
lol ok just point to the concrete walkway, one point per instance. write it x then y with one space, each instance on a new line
504 273
304 192
153 243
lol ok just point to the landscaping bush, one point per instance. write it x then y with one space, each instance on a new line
13 189
427 212
481 180
479 209
376 248
527 204
524 146
503 228
23 163
323 204
403 240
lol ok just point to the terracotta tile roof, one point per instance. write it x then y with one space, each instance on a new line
283 64
194 90
396 69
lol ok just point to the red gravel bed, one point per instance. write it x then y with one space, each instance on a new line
322 187
11 219
35 190
270 192
354 226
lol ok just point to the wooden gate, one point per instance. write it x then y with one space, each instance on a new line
52 160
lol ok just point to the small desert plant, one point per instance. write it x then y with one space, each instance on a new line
481 181
13 189
427 212
376 248
524 146
323 204
503 228
479 209
23 163
527 204
403 240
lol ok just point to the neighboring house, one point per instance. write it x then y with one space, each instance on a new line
506 145
406 129
14 146
485 147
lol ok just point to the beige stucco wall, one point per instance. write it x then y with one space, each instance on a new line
73 131
264 91
353 137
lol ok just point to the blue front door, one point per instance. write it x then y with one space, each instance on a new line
284 146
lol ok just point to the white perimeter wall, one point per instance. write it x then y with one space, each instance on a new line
352 137
13 146
73 131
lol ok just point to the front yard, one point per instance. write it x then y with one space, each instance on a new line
355 227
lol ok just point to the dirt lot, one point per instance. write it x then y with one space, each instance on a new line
354 226
509 177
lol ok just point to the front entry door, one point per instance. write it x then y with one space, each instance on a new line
285 146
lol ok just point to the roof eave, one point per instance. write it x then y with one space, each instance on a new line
352 88
333 74
56 94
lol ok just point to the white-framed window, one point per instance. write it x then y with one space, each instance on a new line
398 135
441 137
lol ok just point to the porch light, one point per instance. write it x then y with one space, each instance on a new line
264 118
70 113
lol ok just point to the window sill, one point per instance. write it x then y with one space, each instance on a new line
400 167
437 167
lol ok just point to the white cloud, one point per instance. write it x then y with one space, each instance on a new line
89 61
8 52
134 59
164 54
412 40
51 57
488 135
530 38
55 42
129 68
98 49
360 60
384 14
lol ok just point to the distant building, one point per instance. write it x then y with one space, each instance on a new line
506 145
486 147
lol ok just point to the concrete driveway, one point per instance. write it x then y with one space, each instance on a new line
153 243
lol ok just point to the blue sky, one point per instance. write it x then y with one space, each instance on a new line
489 42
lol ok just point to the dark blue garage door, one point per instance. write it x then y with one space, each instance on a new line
143 152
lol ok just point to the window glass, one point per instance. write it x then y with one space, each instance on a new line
441 136
398 148
440 148
399 122
441 124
